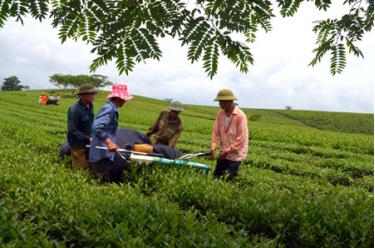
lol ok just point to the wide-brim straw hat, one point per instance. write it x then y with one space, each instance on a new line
120 91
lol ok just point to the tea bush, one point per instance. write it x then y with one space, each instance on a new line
303 185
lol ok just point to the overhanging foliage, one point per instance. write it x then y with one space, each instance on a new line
127 31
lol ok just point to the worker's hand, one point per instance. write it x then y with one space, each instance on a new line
223 154
112 147
211 153
90 140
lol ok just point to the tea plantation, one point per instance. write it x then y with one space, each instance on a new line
307 182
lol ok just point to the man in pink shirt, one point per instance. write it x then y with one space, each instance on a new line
230 129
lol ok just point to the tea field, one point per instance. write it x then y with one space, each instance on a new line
308 182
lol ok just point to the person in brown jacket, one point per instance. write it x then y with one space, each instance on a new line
168 127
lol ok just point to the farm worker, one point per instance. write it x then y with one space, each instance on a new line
80 119
167 128
230 129
107 163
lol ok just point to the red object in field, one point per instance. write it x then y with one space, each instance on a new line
43 99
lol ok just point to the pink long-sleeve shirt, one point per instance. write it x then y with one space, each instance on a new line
234 138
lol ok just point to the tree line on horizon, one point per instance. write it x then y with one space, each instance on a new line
63 81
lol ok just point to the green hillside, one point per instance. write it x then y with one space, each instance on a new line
341 122
307 182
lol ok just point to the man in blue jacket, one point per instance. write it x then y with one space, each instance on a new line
80 120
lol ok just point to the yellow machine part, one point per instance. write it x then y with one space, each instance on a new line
143 148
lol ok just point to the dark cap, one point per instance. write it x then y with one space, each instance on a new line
87 89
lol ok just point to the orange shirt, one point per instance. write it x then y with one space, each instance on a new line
234 137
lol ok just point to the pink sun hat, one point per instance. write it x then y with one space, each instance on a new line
120 91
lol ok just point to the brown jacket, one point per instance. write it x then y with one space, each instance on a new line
165 131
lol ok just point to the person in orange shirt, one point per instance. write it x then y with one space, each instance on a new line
230 129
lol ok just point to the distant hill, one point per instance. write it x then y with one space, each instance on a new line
333 121
329 121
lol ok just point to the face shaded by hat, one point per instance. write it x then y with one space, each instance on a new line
87 89
176 106
120 91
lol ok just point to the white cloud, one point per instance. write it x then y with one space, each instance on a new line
279 77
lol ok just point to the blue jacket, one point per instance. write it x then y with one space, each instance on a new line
105 126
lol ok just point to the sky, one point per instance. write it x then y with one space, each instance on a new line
279 77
